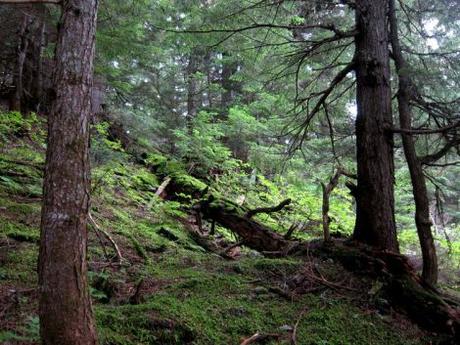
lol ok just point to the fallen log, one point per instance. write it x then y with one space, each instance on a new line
234 217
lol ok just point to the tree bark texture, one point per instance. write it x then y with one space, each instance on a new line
422 206
66 315
375 222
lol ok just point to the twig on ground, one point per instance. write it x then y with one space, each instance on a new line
259 337
296 326
107 235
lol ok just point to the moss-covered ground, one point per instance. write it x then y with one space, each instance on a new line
168 289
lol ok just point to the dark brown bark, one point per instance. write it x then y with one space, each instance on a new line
422 206
33 74
375 222
65 307
234 217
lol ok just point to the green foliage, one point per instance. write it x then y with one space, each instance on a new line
14 123
201 145
19 232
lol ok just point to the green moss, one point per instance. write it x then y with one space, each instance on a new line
174 169
155 160
198 298
221 308
19 232
19 266
22 212
189 185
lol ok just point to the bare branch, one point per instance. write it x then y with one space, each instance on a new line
277 208
434 157
324 95
426 131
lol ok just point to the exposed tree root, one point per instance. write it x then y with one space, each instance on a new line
401 285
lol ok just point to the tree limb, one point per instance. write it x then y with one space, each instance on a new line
426 131
432 158
272 209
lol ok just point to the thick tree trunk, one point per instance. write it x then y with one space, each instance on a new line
422 206
375 222
65 307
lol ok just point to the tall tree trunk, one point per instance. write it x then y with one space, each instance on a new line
375 222
207 61
38 80
21 58
422 206
192 87
66 315
229 68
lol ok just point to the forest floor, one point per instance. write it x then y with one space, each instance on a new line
168 289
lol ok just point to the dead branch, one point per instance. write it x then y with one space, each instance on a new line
163 186
323 96
107 235
327 190
273 209
296 326
291 230
257 338
426 130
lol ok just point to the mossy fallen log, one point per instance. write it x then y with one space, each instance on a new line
235 218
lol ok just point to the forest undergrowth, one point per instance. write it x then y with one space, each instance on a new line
163 286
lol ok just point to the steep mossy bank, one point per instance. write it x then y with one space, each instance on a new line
168 289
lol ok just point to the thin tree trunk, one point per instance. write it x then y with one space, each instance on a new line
192 87
229 68
327 190
38 80
209 69
21 58
66 315
375 222
422 207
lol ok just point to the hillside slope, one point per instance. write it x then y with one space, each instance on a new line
168 289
